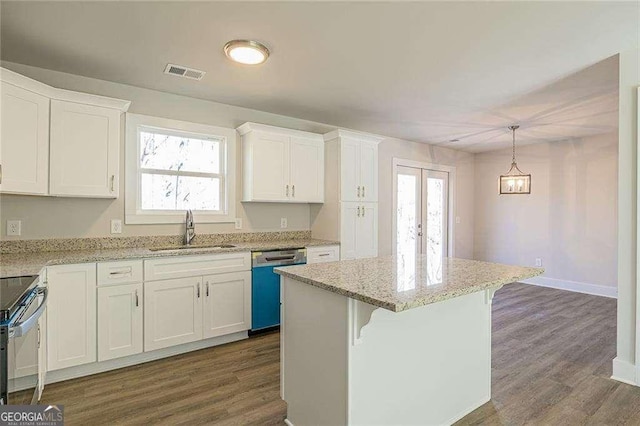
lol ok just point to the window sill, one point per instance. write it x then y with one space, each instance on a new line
160 219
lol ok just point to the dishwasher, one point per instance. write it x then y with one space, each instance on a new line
265 284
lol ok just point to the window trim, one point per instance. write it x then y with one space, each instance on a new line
133 213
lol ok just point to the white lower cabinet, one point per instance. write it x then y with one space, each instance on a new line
227 303
172 312
71 315
359 230
119 321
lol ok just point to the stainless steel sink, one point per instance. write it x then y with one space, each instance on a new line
193 247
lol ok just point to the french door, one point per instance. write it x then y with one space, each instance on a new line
422 215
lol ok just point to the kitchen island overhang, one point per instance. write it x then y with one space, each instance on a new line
372 341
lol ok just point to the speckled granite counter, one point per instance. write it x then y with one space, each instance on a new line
385 282
16 264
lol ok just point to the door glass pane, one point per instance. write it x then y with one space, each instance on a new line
435 230
406 242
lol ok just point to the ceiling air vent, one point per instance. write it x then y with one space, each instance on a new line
185 72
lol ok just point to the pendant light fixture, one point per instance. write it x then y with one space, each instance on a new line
515 181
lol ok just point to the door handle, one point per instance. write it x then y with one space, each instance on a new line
358 211
358 191
207 287
198 287
113 182
363 192
287 190
362 211
293 191
137 300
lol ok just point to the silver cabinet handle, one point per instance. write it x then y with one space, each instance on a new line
362 211
126 271
358 192
363 192
293 191
287 190
137 300
358 211
207 287
113 182
198 285
323 254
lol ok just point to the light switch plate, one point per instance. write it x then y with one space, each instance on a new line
116 226
14 227
238 223
538 262
283 222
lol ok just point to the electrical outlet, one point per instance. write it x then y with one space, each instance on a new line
457 219
14 227
538 261
116 226
238 223
283 222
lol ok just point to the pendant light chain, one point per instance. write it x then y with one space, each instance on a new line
513 131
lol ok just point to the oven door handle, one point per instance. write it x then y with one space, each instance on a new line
21 328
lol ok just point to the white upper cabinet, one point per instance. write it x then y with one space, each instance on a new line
281 165
85 147
358 164
24 141
58 142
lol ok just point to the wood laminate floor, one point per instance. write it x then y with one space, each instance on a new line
552 353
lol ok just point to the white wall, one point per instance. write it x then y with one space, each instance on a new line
626 366
48 217
570 218
464 195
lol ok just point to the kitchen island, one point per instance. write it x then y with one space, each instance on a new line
388 340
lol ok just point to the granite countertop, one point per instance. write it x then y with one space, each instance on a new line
16 264
406 282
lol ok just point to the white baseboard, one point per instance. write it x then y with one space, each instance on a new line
288 422
468 411
578 287
113 364
624 372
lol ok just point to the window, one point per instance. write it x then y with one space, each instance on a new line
173 166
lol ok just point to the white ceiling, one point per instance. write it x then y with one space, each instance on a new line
428 72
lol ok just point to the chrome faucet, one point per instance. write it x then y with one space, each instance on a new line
189 229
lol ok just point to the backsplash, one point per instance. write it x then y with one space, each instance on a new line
70 244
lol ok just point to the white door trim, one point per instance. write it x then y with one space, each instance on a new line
451 196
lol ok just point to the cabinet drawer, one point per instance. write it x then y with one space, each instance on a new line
323 254
120 272
193 266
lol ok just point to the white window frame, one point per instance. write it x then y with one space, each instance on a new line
133 211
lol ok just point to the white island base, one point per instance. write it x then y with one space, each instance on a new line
349 362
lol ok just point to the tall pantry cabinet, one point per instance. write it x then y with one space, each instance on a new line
350 211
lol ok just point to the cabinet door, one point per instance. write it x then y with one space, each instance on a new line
307 170
24 141
227 303
368 172
350 170
367 231
71 315
349 221
172 312
85 145
268 167
119 321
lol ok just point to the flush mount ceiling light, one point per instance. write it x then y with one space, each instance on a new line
515 181
246 52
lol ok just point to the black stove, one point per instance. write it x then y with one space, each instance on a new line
13 292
